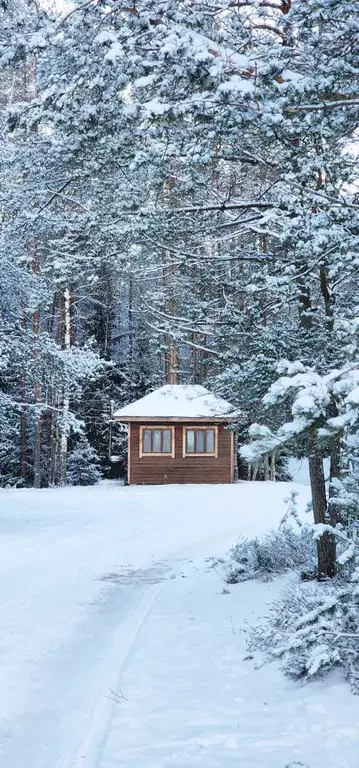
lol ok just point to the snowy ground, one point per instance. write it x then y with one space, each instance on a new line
119 649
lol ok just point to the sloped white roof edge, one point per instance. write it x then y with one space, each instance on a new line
179 401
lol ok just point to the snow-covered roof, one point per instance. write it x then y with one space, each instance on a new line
178 401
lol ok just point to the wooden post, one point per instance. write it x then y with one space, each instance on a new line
232 458
129 455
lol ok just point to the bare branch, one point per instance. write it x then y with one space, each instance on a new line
54 193
69 199
207 257
324 106
269 28
222 207
183 341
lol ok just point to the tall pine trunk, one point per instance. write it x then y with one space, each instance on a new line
326 549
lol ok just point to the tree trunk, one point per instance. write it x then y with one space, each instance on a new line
23 443
266 466
172 374
52 473
53 416
334 509
66 400
335 469
37 451
37 445
326 544
305 306
73 329
326 548
171 353
327 297
272 468
23 416
203 364
194 358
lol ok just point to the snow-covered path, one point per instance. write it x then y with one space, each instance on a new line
118 648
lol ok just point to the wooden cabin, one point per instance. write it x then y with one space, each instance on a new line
179 434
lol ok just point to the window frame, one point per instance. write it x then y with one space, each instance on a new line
196 428
160 427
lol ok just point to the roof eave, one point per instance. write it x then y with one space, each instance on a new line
173 419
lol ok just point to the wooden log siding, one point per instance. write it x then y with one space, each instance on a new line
163 468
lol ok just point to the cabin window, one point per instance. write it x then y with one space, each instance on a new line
155 441
200 441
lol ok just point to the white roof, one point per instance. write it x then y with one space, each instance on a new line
176 401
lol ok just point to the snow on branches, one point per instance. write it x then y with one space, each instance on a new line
310 396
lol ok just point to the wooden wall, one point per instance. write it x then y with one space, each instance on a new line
159 470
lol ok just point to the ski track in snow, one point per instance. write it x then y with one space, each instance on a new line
119 648
97 725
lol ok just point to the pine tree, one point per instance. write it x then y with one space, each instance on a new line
83 464
195 195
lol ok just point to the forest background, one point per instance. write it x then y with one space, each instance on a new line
179 203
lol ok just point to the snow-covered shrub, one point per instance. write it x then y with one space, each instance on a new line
274 553
83 464
312 629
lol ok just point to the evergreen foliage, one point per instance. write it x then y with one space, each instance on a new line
179 203
271 555
312 630
83 464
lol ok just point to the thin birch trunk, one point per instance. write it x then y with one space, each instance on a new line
66 398
53 399
53 443
23 439
37 451
38 420
23 416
